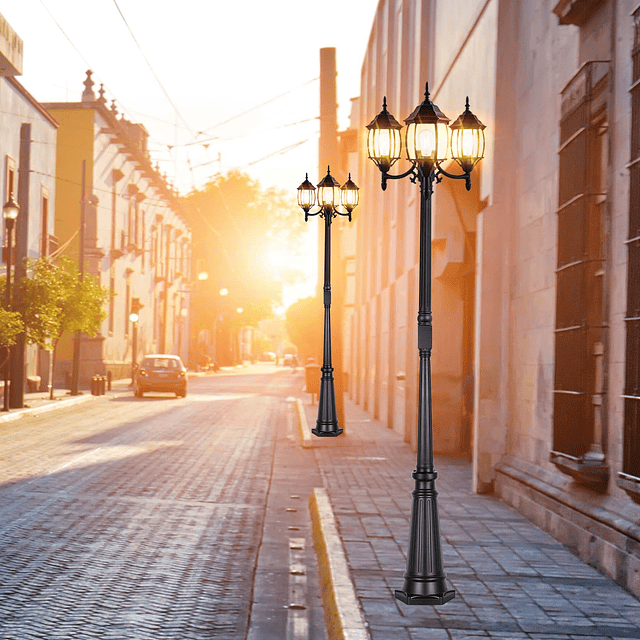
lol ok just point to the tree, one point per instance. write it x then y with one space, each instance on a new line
52 299
10 326
305 326
244 237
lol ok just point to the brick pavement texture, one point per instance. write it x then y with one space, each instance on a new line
513 581
152 532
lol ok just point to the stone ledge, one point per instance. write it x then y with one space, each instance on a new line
601 538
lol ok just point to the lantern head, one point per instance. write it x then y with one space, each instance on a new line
10 209
349 195
306 196
328 192
427 134
467 140
383 140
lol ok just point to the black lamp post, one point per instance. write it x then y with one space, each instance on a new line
10 213
330 195
427 144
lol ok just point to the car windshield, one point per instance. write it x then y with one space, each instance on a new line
160 363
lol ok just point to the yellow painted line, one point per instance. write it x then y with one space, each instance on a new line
303 426
341 607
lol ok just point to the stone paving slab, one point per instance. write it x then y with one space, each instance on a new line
512 579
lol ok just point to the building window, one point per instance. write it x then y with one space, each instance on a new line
127 307
11 181
112 295
579 334
44 240
629 479
143 239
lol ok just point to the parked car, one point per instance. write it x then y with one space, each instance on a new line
290 360
161 372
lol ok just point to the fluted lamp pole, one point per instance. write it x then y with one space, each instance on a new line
330 195
427 147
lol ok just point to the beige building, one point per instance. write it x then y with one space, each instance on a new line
536 290
28 161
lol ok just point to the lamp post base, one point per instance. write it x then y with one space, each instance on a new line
412 598
327 429
327 422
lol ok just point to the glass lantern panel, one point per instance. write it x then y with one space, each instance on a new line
328 196
442 140
427 141
384 144
306 197
349 197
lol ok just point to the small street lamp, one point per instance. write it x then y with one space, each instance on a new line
10 212
134 316
427 145
330 195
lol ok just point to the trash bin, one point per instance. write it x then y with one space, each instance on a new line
312 378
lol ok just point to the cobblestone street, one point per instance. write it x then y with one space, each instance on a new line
127 518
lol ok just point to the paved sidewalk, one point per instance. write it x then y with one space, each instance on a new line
512 580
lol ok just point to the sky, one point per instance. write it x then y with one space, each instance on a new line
218 85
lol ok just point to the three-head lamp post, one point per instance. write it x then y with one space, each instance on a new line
330 195
427 146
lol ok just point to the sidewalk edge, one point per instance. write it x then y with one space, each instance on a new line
303 426
341 607
63 402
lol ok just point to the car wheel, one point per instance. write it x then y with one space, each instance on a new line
139 393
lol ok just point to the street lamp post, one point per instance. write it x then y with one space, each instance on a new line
10 212
134 317
427 145
134 344
330 195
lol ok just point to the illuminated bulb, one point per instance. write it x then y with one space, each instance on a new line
384 144
426 143
468 143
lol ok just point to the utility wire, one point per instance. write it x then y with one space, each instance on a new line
262 104
281 151
155 75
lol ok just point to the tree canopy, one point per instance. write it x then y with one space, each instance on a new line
52 300
305 326
244 237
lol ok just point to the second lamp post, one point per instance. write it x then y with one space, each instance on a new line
330 195
428 147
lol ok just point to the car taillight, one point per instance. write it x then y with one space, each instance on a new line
182 373
143 372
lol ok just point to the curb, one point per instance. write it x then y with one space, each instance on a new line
303 426
62 402
341 607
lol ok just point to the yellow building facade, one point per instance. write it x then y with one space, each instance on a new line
137 239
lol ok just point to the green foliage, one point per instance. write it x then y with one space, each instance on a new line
305 326
52 300
10 326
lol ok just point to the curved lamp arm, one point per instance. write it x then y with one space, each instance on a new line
389 176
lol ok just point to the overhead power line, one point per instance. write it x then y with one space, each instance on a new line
281 151
258 106
155 75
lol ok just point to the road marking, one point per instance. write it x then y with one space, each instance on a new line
298 616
